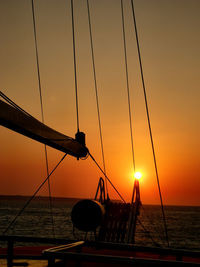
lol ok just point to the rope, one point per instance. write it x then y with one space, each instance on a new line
49 188
149 124
13 104
127 84
107 178
37 59
31 198
96 93
42 112
75 74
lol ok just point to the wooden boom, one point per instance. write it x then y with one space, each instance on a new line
25 124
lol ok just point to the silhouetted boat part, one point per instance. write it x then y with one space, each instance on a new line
113 254
93 254
27 125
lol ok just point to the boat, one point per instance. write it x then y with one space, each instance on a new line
115 222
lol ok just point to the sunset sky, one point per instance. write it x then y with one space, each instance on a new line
169 33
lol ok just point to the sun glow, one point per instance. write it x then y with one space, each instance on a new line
137 175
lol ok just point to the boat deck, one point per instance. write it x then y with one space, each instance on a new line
90 253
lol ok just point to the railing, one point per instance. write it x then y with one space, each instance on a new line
11 240
178 253
104 253
67 252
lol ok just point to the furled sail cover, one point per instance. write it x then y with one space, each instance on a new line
27 125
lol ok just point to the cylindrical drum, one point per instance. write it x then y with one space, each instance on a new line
87 215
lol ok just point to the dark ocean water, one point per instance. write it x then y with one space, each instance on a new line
183 222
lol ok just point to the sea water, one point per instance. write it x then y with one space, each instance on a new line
183 223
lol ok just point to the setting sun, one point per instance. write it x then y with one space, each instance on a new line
137 175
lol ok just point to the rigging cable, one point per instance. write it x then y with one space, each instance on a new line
107 178
97 97
75 73
148 118
13 104
42 111
31 198
127 84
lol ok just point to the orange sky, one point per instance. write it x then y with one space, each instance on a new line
170 41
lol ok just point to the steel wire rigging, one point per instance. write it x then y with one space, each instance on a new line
32 197
148 119
127 83
117 191
42 110
74 59
13 104
97 96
